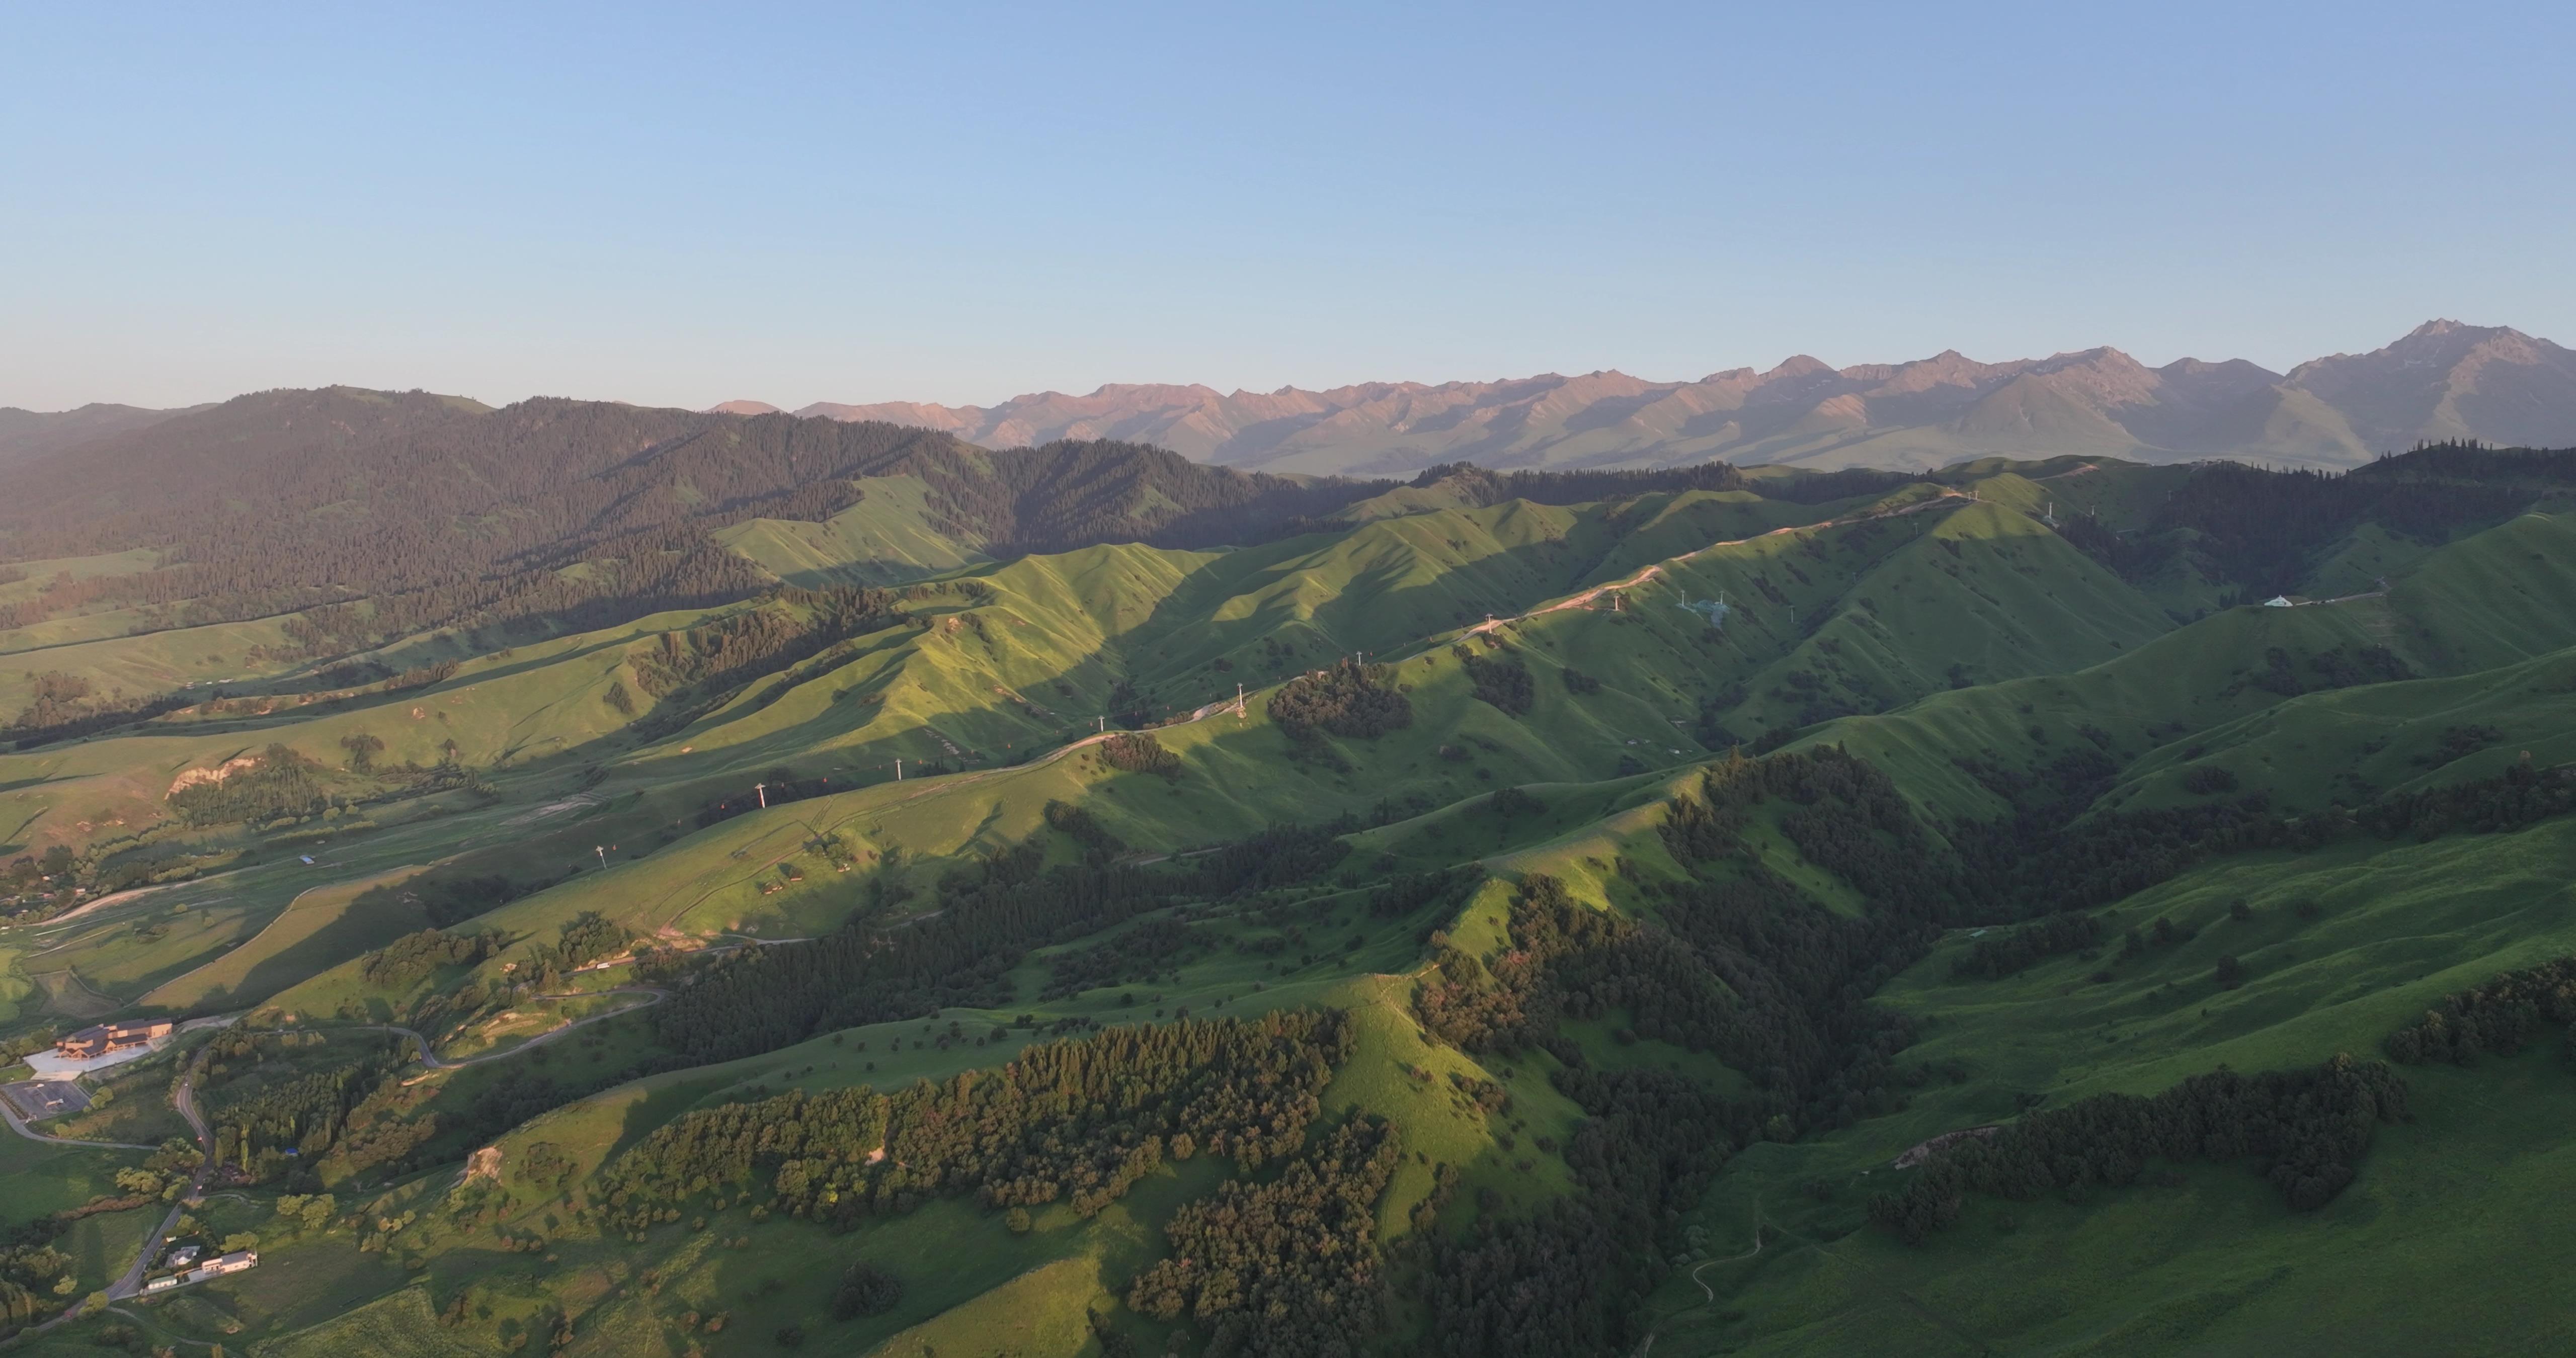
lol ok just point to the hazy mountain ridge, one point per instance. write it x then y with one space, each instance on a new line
2444 380
26 434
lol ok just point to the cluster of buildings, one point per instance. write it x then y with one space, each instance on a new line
236 1262
104 1038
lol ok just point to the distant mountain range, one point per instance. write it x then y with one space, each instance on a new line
2444 380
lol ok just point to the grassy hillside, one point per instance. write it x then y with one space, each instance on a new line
1645 934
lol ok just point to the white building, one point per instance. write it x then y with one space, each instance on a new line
235 1262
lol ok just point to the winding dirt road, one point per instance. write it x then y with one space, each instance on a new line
430 1058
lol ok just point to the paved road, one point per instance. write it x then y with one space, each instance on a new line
186 1098
132 1283
19 1125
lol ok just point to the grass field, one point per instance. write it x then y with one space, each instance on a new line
319 929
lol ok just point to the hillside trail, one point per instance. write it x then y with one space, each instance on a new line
1650 572
430 1058
123 897
1708 1295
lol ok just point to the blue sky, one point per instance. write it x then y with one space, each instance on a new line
962 202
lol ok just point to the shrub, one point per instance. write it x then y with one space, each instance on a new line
866 1290
1137 752
2208 781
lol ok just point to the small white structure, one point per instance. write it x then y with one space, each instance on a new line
180 1257
2279 601
236 1262
162 1284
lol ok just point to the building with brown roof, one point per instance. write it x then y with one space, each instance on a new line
111 1037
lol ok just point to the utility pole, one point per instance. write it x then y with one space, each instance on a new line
1238 700
898 770
1104 725
762 789
602 851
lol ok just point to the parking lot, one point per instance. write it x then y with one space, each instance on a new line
36 1100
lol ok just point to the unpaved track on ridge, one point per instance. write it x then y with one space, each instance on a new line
1646 573
935 786
430 1058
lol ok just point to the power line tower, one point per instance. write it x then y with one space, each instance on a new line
1715 610
761 790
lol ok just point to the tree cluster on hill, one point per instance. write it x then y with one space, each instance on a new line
1574 1277
66 706
282 783
1500 680
2496 1017
1099 846
2049 856
1350 699
1149 949
2510 800
760 999
2310 1129
2261 530
2471 460
990 915
1992 959
1738 962
727 652
269 1101
1139 752
1080 1120
1288 1268
2133 558
405 961
1280 855
866 1290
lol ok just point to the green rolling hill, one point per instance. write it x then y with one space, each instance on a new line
861 919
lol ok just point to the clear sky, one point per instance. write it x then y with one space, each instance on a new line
960 202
